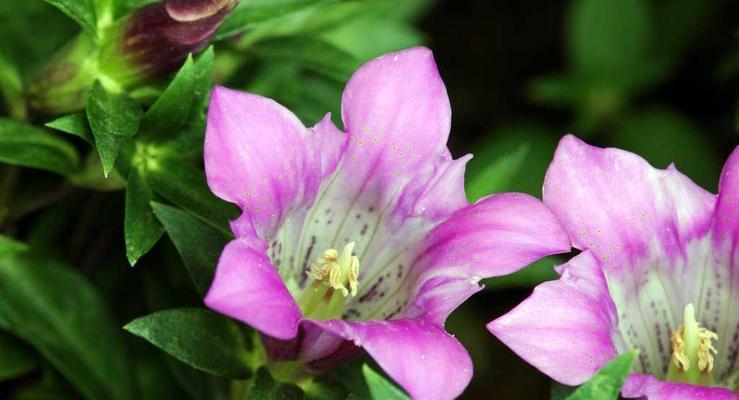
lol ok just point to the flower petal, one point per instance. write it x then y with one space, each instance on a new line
421 357
496 236
648 229
331 142
396 110
259 156
567 327
384 194
720 290
650 388
248 288
193 10
617 205
726 224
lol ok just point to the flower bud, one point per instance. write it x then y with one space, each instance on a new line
148 43
157 37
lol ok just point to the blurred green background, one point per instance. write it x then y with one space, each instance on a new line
655 77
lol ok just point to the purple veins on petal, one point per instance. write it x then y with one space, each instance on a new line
665 249
351 226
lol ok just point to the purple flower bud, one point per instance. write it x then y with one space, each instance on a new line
157 37
148 43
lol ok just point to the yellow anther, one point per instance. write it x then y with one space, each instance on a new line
338 271
679 358
692 345
706 351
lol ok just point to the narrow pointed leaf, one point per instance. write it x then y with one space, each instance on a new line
62 316
249 13
200 338
380 388
184 185
199 244
607 382
114 119
182 101
28 146
74 124
82 11
141 228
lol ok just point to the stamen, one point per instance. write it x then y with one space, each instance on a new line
706 351
679 359
692 351
342 270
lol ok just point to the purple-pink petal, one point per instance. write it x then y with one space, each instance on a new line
259 156
495 236
648 387
726 217
722 291
567 327
618 206
248 288
421 357
331 142
397 115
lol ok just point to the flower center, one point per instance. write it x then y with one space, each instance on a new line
335 277
692 351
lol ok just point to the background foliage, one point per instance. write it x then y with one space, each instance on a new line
117 181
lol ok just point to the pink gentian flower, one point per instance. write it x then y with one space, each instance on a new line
659 272
364 239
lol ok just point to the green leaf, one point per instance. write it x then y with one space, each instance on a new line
607 382
25 51
28 146
17 359
558 391
74 124
197 384
316 17
184 185
508 140
11 86
313 54
609 38
537 272
200 338
380 388
497 176
265 387
9 246
199 245
182 101
91 176
141 228
61 315
387 35
114 119
82 11
251 12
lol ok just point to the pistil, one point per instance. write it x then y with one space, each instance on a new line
692 351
